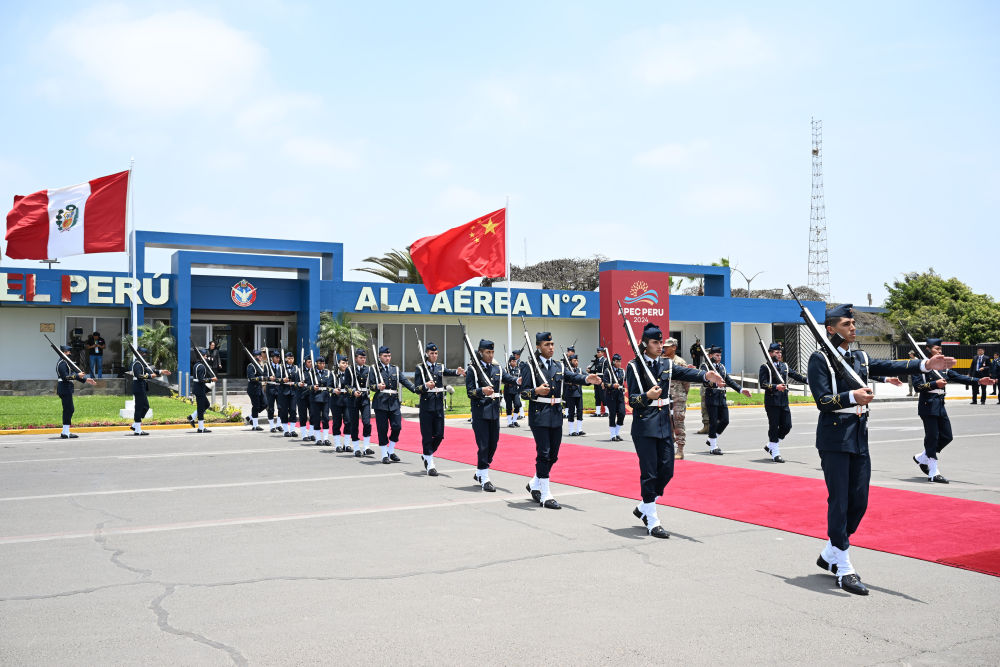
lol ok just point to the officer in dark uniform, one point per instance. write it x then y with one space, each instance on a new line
995 372
842 438
775 386
652 428
319 410
613 381
340 408
715 397
429 379
272 391
257 379
598 366
385 380
979 368
288 381
303 400
484 398
512 392
65 388
141 374
360 417
542 390
930 388
201 377
573 398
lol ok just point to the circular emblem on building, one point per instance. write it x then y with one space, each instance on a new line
640 293
243 293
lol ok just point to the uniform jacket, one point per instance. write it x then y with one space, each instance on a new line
717 395
323 380
546 414
393 379
200 376
256 378
573 390
768 382
930 403
288 377
66 377
648 419
511 389
612 376
304 393
431 399
141 376
362 382
485 407
344 380
846 431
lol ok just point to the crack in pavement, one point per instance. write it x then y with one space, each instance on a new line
102 540
163 618
937 650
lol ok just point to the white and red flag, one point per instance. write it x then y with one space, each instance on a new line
75 220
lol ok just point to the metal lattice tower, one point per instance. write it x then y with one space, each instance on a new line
819 261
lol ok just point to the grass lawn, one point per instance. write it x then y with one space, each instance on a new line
46 411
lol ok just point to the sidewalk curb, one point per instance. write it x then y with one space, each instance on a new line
110 429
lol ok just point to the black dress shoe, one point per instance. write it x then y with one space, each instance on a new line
923 466
358 454
394 458
488 487
580 433
852 584
716 451
826 567
339 449
257 428
512 425
637 513
204 430
286 434
140 432
939 479
778 459
369 452
348 449
551 504
432 472
293 434
658 531
535 495
190 420
385 460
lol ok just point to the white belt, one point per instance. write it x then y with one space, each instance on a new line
388 391
547 400
435 390
936 391
854 410
660 402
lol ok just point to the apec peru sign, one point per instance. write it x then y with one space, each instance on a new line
644 297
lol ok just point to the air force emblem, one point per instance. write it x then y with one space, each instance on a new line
243 293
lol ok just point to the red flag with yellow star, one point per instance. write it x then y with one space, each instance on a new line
475 249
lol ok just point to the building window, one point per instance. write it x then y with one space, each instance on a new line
112 329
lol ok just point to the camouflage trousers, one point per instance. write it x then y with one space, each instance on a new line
679 408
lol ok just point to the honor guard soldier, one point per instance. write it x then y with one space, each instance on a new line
201 377
979 368
930 388
385 380
573 398
288 382
64 389
257 380
773 379
303 400
319 410
842 437
599 366
613 382
512 392
340 395
519 403
648 380
429 379
360 405
715 397
272 391
484 398
678 396
543 379
141 374
995 373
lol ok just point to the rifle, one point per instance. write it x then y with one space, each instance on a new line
917 349
770 362
635 350
202 357
476 359
704 353
136 355
63 356
354 367
423 357
834 358
312 371
284 370
376 361
533 364
250 356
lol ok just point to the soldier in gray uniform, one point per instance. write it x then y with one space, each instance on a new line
484 398
141 374
385 380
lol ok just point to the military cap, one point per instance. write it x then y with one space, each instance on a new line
65 348
256 352
275 353
931 342
843 310
774 346
543 337
321 359
511 358
571 357
143 350
289 353
571 348
670 342
384 349
616 357
431 347
485 344
715 349
360 352
651 332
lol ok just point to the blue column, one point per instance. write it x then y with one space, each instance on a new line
180 311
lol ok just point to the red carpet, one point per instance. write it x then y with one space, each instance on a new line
965 534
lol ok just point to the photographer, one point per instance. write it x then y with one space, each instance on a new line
95 351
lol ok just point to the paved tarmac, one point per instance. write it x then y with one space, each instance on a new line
245 548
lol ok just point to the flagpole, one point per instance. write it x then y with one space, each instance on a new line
131 252
506 256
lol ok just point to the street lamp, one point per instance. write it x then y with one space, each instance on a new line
747 279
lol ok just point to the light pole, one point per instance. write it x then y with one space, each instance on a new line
747 279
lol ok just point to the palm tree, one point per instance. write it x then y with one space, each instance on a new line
396 267
161 345
337 334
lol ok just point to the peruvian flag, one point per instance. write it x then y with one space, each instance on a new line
79 219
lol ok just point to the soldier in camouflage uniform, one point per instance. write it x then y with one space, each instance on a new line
678 398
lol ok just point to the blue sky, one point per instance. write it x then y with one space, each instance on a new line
656 131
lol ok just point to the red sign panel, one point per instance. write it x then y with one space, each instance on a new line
645 297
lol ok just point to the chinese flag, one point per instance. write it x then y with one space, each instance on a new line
467 251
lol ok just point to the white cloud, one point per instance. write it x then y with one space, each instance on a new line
167 61
669 155
319 152
678 53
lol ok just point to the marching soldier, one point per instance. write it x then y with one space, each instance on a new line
201 377
931 410
429 377
598 366
256 381
678 395
360 406
573 398
287 382
842 438
271 393
613 382
518 402
485 401
512 392
385 380
715 397
340 406
303 400
65 388
652 431
319 411
775 386
542 389
697 358
141 374
995 372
